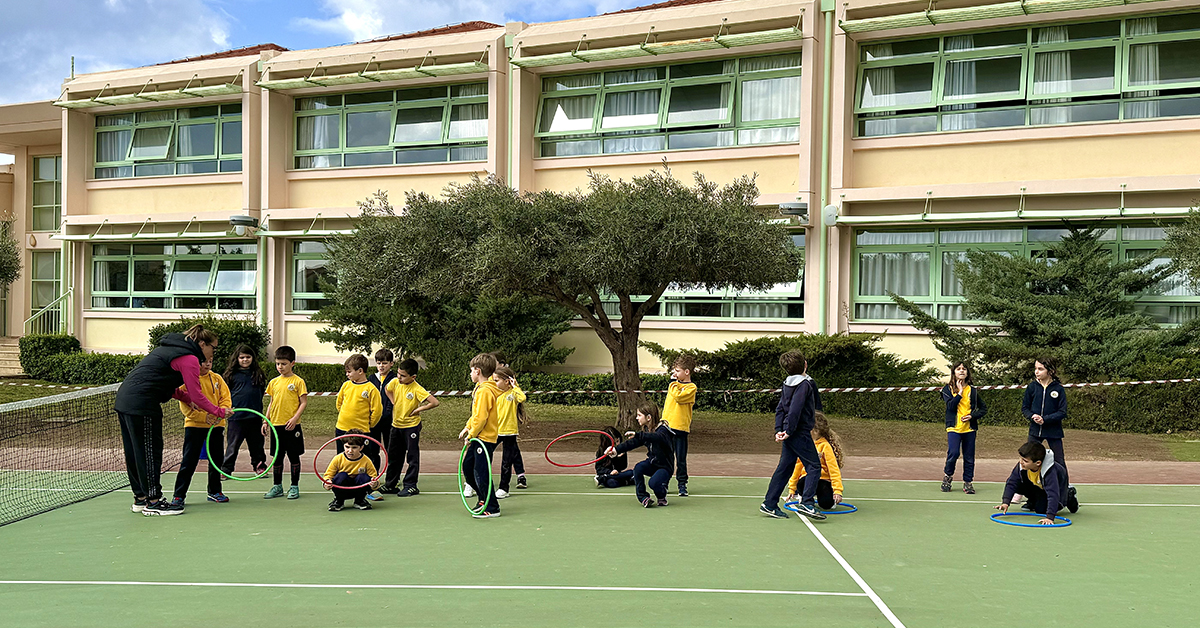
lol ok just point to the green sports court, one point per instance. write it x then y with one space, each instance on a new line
567 554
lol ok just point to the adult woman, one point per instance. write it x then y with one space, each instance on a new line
964 408
154 381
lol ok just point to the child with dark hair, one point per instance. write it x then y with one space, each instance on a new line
196 436
660 457
289 399
350 468
481 425
612 472
1041 480
829 448
677 412
794 421
359 405
247 385
510 412
1045 406
409 399
384 360
964 408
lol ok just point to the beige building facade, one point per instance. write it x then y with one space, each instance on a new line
910 134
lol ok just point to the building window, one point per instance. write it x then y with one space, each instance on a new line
46 281
47 193
919 265
197 140
1132 69
191 276
407 126
309 270
782 302
730 102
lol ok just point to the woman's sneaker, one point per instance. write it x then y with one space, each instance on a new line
276 491
501 494
139 504
486 515
968 488
408 491
947 484
294 492
220 498
164 508
468 491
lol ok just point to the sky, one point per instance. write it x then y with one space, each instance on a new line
39 38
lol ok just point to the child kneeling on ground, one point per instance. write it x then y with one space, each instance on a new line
612 472
660 456
351 468
829 448
1041 480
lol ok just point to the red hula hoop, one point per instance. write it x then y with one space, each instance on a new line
603 433
382 468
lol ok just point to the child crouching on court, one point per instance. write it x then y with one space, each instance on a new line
660 456
794 420
612 472
1041 480
351 468
196 424
829 448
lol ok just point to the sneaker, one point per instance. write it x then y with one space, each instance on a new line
501 494
276 491
468 491
139 504
597 479
335 505
648 502
662 502
220 498
408 491
947 483
521 482
375 496
260 468
164 508
1028 507
683 489
486 515
294 492
968 488
810 511
362 504
1072 500
772 512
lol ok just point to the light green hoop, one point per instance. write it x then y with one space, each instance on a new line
461 484
274 434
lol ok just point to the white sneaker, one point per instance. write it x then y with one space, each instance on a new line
468 492
501 494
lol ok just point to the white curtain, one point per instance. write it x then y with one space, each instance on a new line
317 132
624 110
468 121
112 145
771 99
960 79
1052 75
1143 67
906 274
879 87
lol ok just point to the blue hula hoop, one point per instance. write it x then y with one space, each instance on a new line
996 518
792 506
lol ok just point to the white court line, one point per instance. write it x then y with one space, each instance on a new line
463 587
862 584
614 493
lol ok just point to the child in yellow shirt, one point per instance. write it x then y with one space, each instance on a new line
510 411
829 448
350 468
289 398
196 424
677 412
409 399
481 425
359 404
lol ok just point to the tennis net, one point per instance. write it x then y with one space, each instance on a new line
63 449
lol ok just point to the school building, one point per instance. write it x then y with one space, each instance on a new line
891 135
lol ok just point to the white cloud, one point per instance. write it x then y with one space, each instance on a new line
37 39
5 159
357 20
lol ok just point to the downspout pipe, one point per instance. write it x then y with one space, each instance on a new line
827 16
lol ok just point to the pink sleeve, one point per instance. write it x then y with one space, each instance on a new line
189 367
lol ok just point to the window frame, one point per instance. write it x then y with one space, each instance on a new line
55 209
1129 41
999 52
296 256
1086 44
171 155
131 292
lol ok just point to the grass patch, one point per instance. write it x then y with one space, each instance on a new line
19 392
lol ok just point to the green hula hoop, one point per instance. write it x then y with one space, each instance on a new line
462 457
274 434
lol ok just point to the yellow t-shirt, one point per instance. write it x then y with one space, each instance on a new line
359 406
285 394
677 409
1035 477
214 389
964 408
506 411
407 397
352 468
482 424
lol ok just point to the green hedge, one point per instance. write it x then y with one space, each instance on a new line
40 352
230 331
92 368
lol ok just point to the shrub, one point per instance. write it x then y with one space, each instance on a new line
92 368
231 330
835 361
38 352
